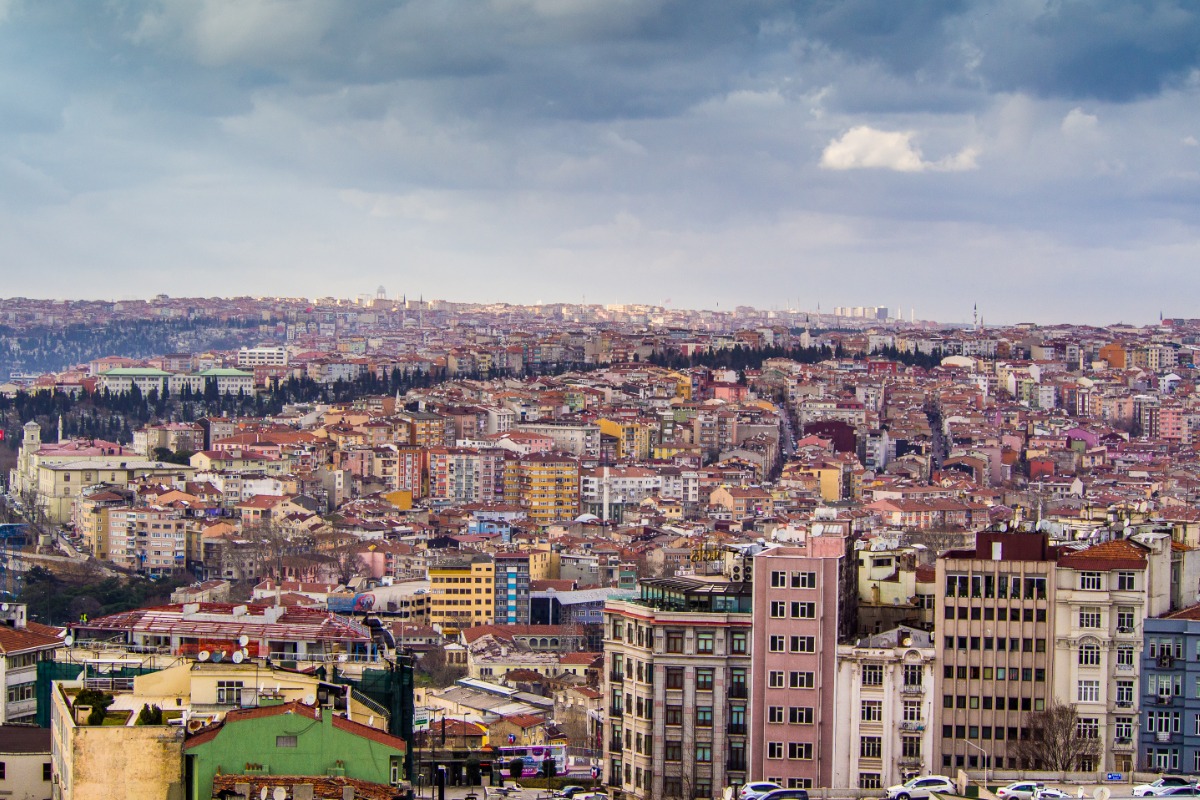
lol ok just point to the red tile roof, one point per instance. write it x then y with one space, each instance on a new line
1117 554
33 636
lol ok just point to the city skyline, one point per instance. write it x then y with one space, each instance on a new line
1040 157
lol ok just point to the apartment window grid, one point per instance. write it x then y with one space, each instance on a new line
870 747
802 644
871 711
801 680
1088 691
778 609
1089 581
1125 619
870 780
775 679
1089 617
1126 581
800 750
775 715
912 710
800 715
872 675
804 610
1089 655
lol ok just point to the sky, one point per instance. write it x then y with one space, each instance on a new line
1038 159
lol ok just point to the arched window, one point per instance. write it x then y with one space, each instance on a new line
1089 655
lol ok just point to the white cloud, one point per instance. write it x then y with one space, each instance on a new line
1190 141
864 147
1079 124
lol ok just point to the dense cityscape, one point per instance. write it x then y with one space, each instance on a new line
665 552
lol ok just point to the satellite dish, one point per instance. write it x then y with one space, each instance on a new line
263 793
238 657
3 606
245 652
68 640
907 641
203 655
243 640
1102 793
309 699
216 657
280 793
343 658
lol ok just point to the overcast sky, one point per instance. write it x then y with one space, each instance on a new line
1041 159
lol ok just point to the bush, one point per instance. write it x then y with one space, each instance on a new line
150 715
516 768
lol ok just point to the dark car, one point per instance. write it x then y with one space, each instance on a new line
785 794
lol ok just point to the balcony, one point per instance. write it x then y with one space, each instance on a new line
616 677
1124 704
1162 736
1164 699
614 745
1122 743
912 726
735 765
736 728
910 761
912 688
739 691
1165 661
616 713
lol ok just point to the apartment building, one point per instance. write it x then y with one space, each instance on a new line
149 539
1104 594
804 604
547 487
1166 737
676 685
263 356
512 588
461 593
885 688
994 635
22 645
577 438
465 475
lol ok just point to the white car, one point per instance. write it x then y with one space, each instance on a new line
920 788
1021 790
1161 785
755 789
1050 793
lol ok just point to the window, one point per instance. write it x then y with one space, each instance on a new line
778 579
47 771
674 715
704 679
800 715
778 609
674 677
801 680
1126 582
774 749
704 716
1089 580
804 610
1089 617
1125 693
800 750
1124 656
674 641
804 580
1087 728
912 710
229 693
704 642
803 644
872 710
870 780
1124 619
913 674
285 741
703 753
870 747
777 643
775 679
1123 728
775 715
872 675
1088 691
1089 655
737 643
910 746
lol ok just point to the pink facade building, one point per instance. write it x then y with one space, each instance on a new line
804 603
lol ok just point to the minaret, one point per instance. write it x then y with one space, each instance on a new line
60 429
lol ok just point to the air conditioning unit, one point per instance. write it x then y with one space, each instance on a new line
737 574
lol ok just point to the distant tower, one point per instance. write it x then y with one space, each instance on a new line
975 317
381 294
60 428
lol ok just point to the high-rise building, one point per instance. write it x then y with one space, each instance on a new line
804 605
461 593
547 487
676 686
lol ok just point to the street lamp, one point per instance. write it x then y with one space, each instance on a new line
985 759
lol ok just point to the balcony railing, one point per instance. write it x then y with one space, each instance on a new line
1164 699
616 676
910 761
1165 661
616 713
739 691
1122 743
912 688
912 726
736 765
736 728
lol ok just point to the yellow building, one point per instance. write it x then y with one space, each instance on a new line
633 437
461 593
548 487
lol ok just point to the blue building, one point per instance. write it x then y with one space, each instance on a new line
1168 735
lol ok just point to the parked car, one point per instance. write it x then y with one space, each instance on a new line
785 794
1161 785
756 789
1050 793
920 788
1021 790
571 791
1186 791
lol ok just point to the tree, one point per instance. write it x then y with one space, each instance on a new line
1056 741
150 715
516 768
438 668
